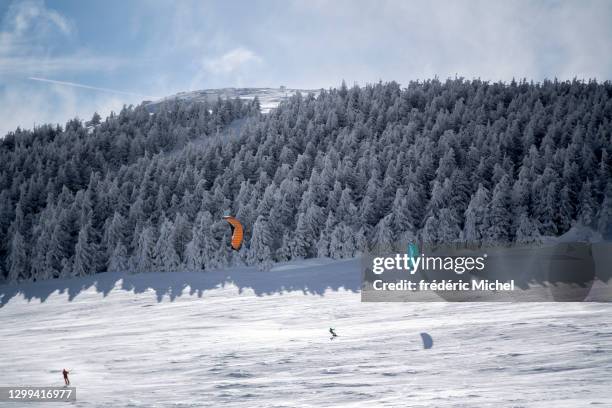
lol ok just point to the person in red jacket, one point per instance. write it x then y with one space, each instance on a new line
65 374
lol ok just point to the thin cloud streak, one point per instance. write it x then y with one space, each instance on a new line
72 63
94 88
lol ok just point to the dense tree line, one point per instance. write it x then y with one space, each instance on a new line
324 175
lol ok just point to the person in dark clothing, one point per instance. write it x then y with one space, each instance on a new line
65 374
333 333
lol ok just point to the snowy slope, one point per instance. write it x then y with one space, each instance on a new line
246 338
269 98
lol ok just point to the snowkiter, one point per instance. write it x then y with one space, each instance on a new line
65 374
333 333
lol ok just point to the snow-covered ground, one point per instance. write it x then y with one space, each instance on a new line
260 339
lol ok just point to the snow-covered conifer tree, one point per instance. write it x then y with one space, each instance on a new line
143 259
17 259
587 205
604 218
84 254
429 233
497 221
200 250
527 230
259 252
473 231
166 258
118 260
448 227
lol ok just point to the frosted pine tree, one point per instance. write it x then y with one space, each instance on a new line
473 230
38 255
402 218
521 194
259 249
446 165
448 227
221 235
497 222
429 233
346 210
361 241
342 243
437 201
67 267
200 250
367 210
286 249
564 211
17 259
300 243
336 242
460 189
181 235
325 237
527 231
84 254
545 194
604 219
323 244
383 233
114 233
165 256
603 175
587 205
414 204
144 256
118 260
57 247
333 198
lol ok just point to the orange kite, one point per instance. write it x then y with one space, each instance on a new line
237 232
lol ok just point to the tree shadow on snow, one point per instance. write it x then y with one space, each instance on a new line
314 276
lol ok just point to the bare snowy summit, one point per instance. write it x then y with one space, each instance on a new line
269 98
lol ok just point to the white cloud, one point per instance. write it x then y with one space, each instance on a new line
31 36
33 14
231 61
28 25
404 40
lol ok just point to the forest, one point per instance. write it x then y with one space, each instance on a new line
325 175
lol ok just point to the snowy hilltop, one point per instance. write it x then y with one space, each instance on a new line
269 98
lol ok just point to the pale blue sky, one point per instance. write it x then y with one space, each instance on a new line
143 49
